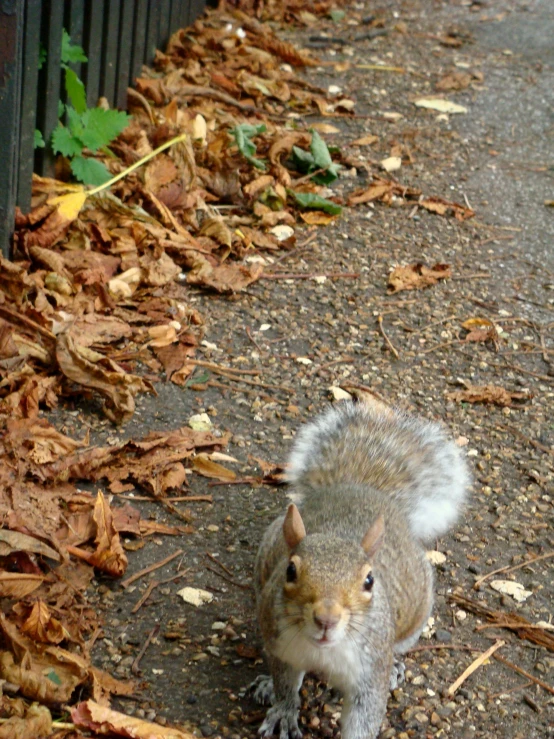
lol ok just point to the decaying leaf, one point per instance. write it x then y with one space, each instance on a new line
41 626
480 330
18 585
446 207
109 555
205 466
116 385
223 278
491 394
90 715
417 276
36 722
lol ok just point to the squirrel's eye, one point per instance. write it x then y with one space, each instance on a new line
368 582
291 572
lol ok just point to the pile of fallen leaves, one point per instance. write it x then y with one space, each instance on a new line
96 305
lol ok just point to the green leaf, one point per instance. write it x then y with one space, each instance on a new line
75 124
41 56
311 200
63 142
39 140
242 135
89 171
303 160
75 91
101 127
320 152
54 677
71 52
337 15
61 108
325 178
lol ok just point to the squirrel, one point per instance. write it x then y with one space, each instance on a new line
343 585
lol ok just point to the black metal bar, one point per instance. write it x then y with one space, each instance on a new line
73 24
175 16
165 17
154 11
124 53
112 15
49 80
11 62
29 92
139 38
92 42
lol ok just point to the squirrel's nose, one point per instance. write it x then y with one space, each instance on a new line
326 621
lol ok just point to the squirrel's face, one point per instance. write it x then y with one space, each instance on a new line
327 583
327 590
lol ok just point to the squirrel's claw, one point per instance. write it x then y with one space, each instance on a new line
398 674
287 718
262 690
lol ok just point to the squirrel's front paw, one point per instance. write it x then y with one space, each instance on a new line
262 690
397 675
287 718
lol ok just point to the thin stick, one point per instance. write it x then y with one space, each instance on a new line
511 690
142 600
474 666
153 567
228 579
388 342
434 323
152 635
178 499
528 439
217 367
440 346
219 564
265 396
526 674
309 176
475 276
511 568
310 275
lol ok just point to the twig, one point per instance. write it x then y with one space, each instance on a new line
430 647
474 276
434 323
252 339
177 499
523 672
511 568
142 600
310 275
228 579
474 666
217 368
152 635
388 342
266 385
151 568
132 93
528 439
219 564
309 176
441 346
191 90
511 690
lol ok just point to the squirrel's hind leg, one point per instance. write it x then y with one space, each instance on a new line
398 674
286 683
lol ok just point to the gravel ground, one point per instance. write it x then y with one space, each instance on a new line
499 159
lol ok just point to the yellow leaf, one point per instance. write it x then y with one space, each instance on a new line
69 206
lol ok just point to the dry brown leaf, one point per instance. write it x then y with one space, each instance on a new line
109 555
417 276
488 394
216 228
118 387
37 722
224 278
367 140
454 81
41 626
317 218
18 585
208 468
14 541
480 330
103 720
446 207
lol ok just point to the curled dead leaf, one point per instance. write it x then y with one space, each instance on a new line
18 585
118 387
109 555
417 276
41 626
36 722
91 715
205 466
489 394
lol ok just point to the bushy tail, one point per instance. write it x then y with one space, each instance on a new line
406 458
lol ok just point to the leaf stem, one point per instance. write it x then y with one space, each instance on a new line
138 164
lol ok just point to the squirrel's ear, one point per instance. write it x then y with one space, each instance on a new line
293 527
374 536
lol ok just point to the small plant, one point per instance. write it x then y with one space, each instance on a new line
318 159
87 128
243 135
